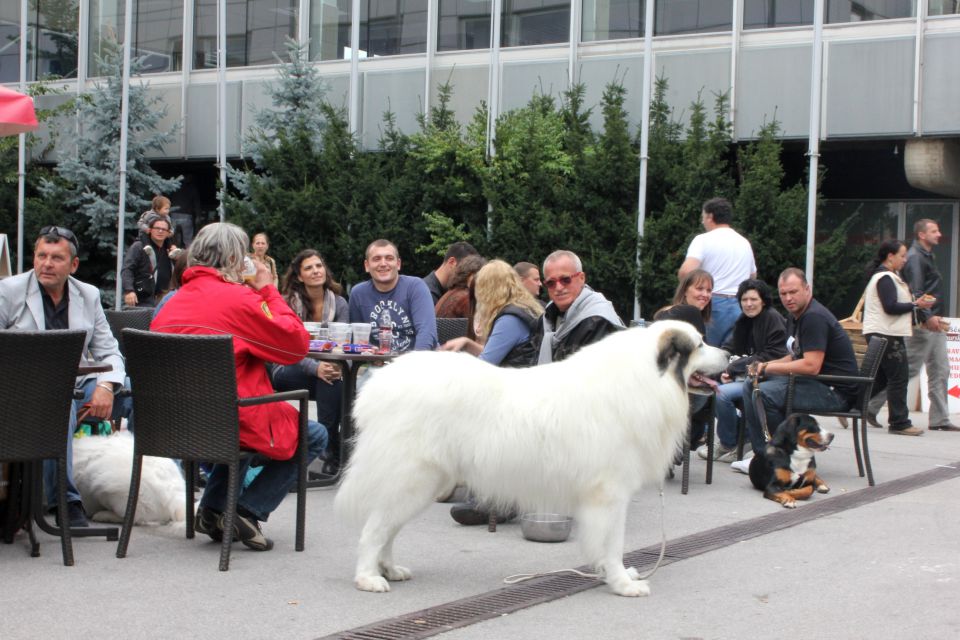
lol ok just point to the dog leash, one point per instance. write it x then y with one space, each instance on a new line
522 577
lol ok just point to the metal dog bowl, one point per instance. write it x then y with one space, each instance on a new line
545 527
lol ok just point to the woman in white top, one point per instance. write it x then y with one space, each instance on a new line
888 313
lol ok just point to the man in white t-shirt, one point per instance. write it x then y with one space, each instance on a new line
728 257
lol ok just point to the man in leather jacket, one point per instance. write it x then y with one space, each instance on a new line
576 315
928 345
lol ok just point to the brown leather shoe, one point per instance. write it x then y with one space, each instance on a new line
945 427
909 431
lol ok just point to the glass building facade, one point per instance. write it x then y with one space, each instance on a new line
258 29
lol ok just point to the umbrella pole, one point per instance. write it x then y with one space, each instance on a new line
124 119
22 151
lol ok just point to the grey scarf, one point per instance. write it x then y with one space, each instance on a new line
588 304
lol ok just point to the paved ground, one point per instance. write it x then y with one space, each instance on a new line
889 569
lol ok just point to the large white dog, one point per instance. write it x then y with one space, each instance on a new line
601 424
101 471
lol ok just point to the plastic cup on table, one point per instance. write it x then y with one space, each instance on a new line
361 333
340 334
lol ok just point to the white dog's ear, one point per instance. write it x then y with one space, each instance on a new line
675 345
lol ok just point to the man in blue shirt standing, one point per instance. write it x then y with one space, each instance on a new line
405 298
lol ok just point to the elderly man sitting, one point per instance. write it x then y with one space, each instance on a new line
213 299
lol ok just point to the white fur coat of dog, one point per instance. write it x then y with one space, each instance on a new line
101 471
598 427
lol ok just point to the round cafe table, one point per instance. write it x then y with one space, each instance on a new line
348 391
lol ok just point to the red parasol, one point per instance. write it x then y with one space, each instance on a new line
16 113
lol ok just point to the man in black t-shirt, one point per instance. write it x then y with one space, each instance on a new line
818 345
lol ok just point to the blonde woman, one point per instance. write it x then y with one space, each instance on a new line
506 315
260 245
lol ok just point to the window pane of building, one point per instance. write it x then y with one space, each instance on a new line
157 37
693 16
392 27
329 29
767 14
51 39
612 19
864 10
159 34
942 7
529 22
463 24
256 30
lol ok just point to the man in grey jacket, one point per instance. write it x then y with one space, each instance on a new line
49 297
928 345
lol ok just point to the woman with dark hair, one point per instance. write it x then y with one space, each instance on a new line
888 313
315 296
759 334
455 302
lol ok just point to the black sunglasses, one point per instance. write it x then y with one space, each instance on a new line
56 233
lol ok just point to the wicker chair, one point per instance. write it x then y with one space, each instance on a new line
858 410
685 453
132 318
448 328
186 406
36 391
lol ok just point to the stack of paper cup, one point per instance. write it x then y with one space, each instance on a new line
340 333
361 333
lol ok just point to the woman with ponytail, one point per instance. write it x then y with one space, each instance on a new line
888 313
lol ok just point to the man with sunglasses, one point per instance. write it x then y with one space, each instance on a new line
48 297
576 315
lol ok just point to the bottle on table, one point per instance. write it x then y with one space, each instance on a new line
385 332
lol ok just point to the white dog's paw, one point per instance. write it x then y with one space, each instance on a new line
631 588
823 489
376 584
632 573
396 573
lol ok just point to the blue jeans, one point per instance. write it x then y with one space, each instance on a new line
271 485
122 408
327 397
723 314
809 395
727 395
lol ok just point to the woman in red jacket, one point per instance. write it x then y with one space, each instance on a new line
213 299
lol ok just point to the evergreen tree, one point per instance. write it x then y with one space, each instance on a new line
700 170
301 170
86 193
527 182
771 217
605 204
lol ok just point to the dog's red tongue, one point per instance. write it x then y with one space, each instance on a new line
703 381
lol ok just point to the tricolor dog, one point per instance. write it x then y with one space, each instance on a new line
786 470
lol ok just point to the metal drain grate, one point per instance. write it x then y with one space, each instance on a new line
473 609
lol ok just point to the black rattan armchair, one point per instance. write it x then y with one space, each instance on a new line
186 404
858 410
39 370
708 410
448 328
135 318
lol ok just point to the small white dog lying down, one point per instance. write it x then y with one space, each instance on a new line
101 471
601 425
